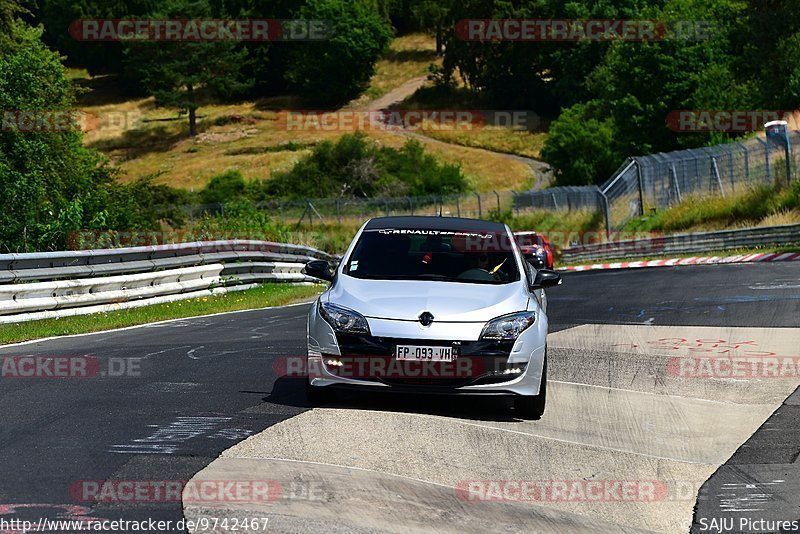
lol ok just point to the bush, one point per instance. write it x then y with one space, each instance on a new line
225 187
355 167
581 148
338 69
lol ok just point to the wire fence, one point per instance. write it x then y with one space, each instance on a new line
323 211
640 185
658 181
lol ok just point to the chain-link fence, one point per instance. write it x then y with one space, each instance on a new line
658 181
641 184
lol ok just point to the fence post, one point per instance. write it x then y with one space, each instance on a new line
410 205
640 185
675 182
606 214
458 207
338 212
715 170
730 162
480 212
555 202
515 203
746 162
766 158
498 201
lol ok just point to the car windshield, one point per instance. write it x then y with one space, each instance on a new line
529 240
449 256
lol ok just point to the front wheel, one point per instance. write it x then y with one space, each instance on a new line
318 394
532 406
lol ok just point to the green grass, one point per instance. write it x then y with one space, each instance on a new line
260 297
762 205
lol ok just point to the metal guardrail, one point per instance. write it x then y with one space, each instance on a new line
701 242
55 284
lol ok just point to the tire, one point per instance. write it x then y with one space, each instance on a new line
319 395
532 406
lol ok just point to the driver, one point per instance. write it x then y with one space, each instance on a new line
478 268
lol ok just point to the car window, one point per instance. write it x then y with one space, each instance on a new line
451 256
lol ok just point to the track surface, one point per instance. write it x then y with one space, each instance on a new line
208 383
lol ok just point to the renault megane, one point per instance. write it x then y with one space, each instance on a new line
435 305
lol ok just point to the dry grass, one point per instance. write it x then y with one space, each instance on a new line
409 57
153 143
497 139
143 140
781 217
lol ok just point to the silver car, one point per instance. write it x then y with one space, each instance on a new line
433 305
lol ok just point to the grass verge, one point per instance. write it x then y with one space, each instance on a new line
758 206
260 297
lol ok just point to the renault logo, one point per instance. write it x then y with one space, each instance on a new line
426 318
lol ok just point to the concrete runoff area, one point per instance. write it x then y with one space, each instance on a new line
623 408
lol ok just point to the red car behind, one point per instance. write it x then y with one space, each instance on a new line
536 249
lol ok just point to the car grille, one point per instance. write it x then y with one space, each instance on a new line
371 358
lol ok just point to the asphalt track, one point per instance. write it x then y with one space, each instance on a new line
617 412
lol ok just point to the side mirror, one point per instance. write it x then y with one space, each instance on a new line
546 278
319 269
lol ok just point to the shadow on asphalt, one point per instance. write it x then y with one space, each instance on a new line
289 391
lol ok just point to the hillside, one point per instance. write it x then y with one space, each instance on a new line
250 137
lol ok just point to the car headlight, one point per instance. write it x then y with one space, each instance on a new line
343 320
508 327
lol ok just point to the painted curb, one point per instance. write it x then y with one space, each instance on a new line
696 260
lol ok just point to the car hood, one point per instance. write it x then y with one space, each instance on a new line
447 301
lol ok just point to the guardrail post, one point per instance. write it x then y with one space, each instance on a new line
480 212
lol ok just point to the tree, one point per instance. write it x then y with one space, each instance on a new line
433 15
49 183
339 68
581 147
105 57
176 72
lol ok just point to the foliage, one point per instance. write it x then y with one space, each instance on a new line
47 178
174 72
354 167
581 146
338 69
226 187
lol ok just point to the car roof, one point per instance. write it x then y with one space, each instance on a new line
419 222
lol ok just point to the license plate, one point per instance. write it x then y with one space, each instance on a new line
425 353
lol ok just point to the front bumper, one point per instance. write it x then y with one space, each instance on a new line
482 367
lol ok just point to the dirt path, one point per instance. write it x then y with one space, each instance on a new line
539 169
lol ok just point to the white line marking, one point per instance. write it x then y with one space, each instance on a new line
124 328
